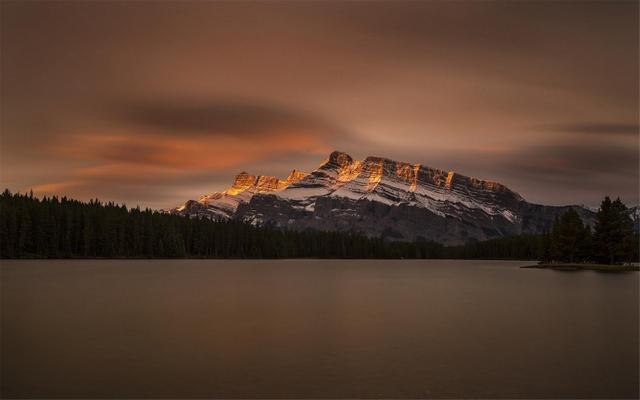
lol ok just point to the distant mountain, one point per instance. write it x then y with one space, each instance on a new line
377 196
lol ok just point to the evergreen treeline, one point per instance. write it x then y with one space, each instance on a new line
521 247
63 228
613 240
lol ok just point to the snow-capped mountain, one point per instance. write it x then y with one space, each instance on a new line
224 204
377 196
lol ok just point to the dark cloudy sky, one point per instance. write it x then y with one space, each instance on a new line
152 103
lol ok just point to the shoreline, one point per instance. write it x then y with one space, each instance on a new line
590 267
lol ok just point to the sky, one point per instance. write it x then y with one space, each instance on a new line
154 103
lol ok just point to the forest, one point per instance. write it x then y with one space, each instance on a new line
52 227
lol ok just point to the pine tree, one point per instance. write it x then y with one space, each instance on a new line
613 232
585 245
570 232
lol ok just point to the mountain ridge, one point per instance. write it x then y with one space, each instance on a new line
379 196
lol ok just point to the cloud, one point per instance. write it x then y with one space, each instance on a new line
564 160
55 187
221 117
187 153
566 171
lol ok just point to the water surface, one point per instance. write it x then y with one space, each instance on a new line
311 328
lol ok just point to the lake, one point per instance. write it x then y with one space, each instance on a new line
316 328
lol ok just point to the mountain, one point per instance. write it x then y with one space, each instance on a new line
224 204
378 196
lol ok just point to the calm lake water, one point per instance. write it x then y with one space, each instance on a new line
311 328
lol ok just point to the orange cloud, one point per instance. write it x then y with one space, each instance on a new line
142 158
219 152
55 187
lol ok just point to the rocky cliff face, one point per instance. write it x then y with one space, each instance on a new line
223 205
378 196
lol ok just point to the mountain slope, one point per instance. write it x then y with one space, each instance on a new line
378 196
223 205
